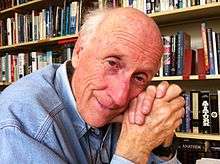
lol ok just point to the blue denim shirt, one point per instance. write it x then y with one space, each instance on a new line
39 123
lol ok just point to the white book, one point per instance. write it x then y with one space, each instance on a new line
33 24
33 61
69 54
215 52
43 23
9 33
16 28
20 65
9 67
40 26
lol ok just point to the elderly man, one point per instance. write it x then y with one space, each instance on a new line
71 113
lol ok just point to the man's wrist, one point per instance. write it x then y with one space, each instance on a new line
165 153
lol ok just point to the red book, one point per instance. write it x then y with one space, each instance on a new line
201 64
187 65
205 46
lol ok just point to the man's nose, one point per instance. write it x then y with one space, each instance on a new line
119 90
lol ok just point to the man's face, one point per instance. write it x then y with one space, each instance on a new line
112 70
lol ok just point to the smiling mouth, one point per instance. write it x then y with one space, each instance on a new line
109 108
102 106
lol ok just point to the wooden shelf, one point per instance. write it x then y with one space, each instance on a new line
190 14
4 83
198 136
68 38
28 6
192 77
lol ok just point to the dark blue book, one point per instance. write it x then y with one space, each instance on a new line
214 113
183 42
210 51
188 112
218 50
67 20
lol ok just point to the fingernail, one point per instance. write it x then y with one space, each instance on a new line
159 93
139 120
145 109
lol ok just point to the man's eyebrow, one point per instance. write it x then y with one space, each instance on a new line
115 55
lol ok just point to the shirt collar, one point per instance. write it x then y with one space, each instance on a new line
66 94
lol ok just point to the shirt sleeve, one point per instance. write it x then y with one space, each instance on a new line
156 159
18 147
116 159
153 159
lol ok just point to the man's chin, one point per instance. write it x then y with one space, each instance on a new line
97 123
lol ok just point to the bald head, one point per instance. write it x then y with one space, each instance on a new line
133 21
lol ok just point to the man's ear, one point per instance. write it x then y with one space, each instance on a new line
76 54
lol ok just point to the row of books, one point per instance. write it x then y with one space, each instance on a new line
15 66
202 110
152 6
4 4
50 22
190 150
174 49
211 44
178 58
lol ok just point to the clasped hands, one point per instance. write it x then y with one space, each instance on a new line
150 121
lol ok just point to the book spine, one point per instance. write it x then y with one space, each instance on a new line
173 55
195 111
180 52
205 46
214 113
215 58
33 61
218 50
167 55
204 105
188 112
210 52
201 62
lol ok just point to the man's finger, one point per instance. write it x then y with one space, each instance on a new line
177 103
139 116
148 101
173 91
162 89
132 110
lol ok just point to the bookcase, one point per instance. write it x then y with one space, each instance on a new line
187 19
33 33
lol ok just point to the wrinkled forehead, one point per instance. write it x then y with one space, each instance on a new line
134 28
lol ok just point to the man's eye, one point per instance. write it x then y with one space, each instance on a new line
111 63
140 79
